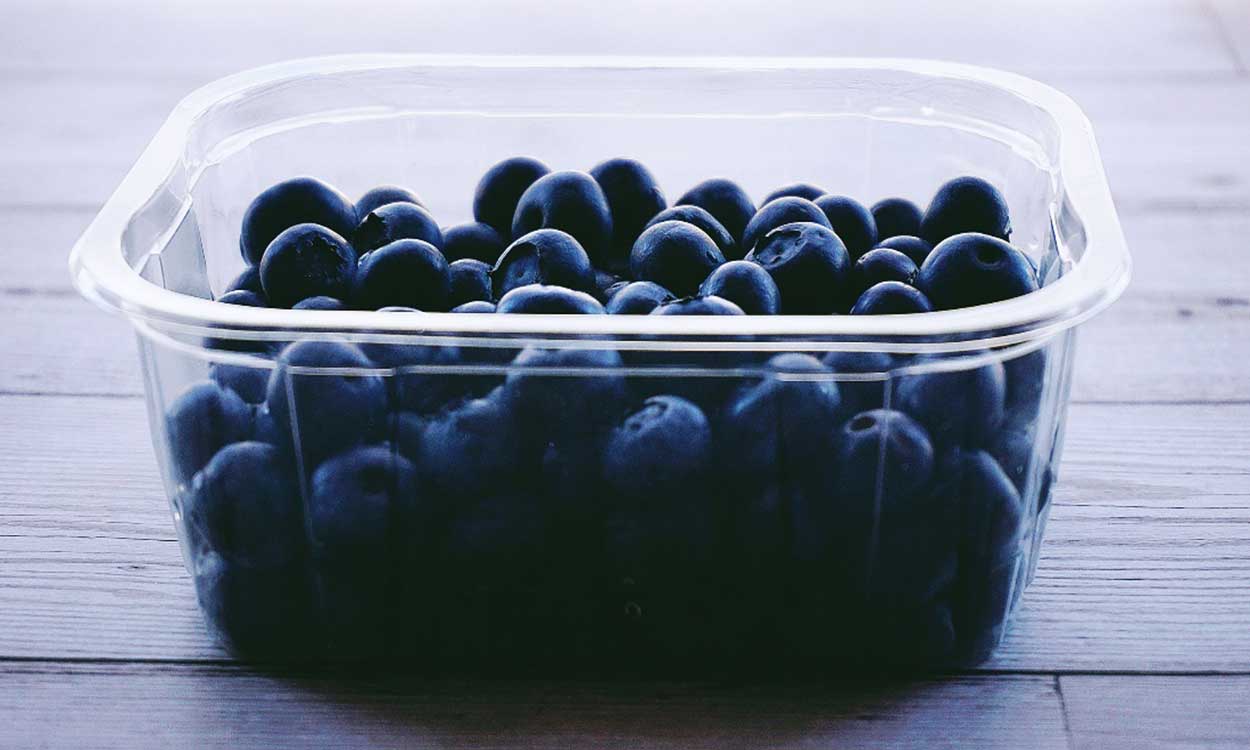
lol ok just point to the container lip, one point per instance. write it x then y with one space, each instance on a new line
100 271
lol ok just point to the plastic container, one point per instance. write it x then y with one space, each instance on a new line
780 547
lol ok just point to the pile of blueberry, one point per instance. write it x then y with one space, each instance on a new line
584 505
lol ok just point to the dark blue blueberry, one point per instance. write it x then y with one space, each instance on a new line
881 264
393 222
911 246
1026 384
540 299
634 197
1014 448
320 396
248 280
659 452
246 380
804 190
788 210
544 256
472 240
896 216
384 194
704 221
725 201
262 614
747 285
604 283
571 202
246 505
565 394
302 200
496 542
852 223
966 204
698 305
407 273
202 421
304 261
861 393
884 460
809 264
469 449
421 385
245 297
638 298
616 287
499 190
957 406
891 298
476 306
361 502
709 390
470 282
319 303
974 269
676 255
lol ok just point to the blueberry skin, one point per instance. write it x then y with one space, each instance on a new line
809 264
469 449
571 202
248 279
747 285
246 505
1013 448
896 216
476 306
605 281
248 382
891 298
676 255
881 264
319 303
412 388
361 502
957 407
202 421
803 190
302 200
704 221
698 305
633 196
500 189
725 201
384 194
884 450
405 273
470 282
544 256
331 410
660 451
393 222
245 297
974 269
473 240
304 261
548 405
911 246
541 299
787 210
852 222
262 614
638 298
966 204
861 395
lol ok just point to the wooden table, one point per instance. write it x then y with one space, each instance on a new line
1136 632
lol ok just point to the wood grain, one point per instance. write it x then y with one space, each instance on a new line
1157 712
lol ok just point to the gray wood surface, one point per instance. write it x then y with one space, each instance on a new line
1135 633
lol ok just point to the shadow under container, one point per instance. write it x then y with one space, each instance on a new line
458 491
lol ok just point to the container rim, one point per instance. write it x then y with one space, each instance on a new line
101 273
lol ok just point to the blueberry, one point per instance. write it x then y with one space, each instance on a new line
1026 383
360 502
565 394
891 298
966 204
410 273
659 452
861 393
302 200
384 194
704 221
246 505
804 190
395 221
709 390
809 264
264 615
497 194
724 200
245 297
474 241
246 380
896 216
321 302
469 449
540 299
913 247
634 197
202 421
698 305
248 280
492 543
676 255
957 406
304 261
885 458
470 282
776 213
604 283
881 264
852 222
974 269
747 285
571 202
476 306
319 397
1014 447
544 256
418 386
638 298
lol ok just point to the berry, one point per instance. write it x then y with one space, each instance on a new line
321 302
747 285
495 199
852 222
470 282
469 449
248 279
252 610
539 299
724 200
787 210
408 273
698 305
302 200
245 297
544 256
202 421
891 298
913 247
476 306
957 406
803 190
676 255
659 452
974 269
881 264
393 222
550 404
861 393
704 221
896 216
809 264
304 261
966 204
571 202
638 298
384 194
633 196
359 501
473 240
885 458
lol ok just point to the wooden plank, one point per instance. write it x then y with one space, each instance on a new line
1233 18
1157 712
145 706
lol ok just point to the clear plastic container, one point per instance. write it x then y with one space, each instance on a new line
497 535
